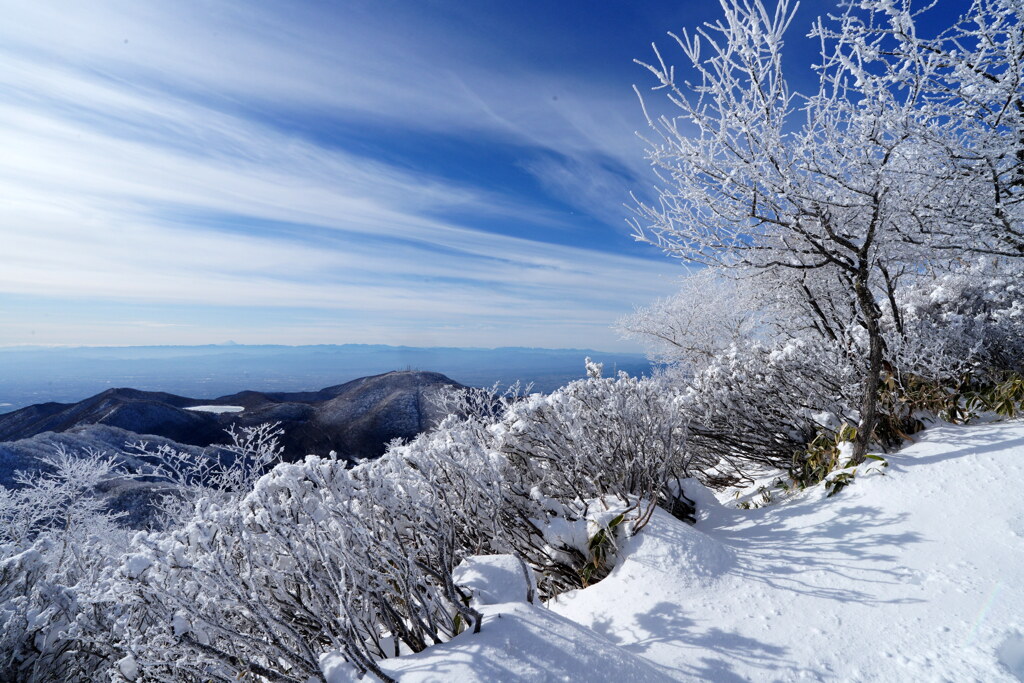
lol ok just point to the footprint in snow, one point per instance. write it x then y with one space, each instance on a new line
908 575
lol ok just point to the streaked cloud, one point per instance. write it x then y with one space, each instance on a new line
186 157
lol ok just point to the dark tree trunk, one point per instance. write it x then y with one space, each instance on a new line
869 397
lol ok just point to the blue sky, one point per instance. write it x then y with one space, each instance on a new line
426 172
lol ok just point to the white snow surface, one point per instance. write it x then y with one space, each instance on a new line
494 579
217 409
524 642
911 576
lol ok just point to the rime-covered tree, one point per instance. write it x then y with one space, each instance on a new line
898 161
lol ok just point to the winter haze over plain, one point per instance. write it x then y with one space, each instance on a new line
438 173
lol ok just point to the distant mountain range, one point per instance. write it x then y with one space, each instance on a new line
31 375
356 420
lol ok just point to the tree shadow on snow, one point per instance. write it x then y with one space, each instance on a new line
976 441
839 558
667 623
606 629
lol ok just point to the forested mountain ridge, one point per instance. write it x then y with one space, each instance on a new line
356 419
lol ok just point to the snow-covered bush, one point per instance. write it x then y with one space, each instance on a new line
759 364
316 558
763 385
222 474
621 436
492 506
58 544
459 474
201 603
954 347
966 322
63 588
538 477
758 406
479 403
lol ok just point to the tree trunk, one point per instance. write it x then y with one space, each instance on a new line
869 398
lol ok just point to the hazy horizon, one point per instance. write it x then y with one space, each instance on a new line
230 343
68 374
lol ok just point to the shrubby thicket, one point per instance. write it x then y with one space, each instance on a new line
860 273
261 567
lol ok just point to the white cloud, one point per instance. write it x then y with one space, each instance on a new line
112 187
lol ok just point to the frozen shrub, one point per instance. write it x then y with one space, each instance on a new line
538 477
624 437
969 321
491 506
58 544
316 558
224 473
477 403
757 406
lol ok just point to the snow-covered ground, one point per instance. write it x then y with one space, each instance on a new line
911 576
217 409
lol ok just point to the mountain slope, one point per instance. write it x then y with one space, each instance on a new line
143 412
355 419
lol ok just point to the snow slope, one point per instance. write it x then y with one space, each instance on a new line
912 576
523 642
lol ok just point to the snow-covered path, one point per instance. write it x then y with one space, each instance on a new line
912 576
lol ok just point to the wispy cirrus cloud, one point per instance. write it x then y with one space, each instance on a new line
196 165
